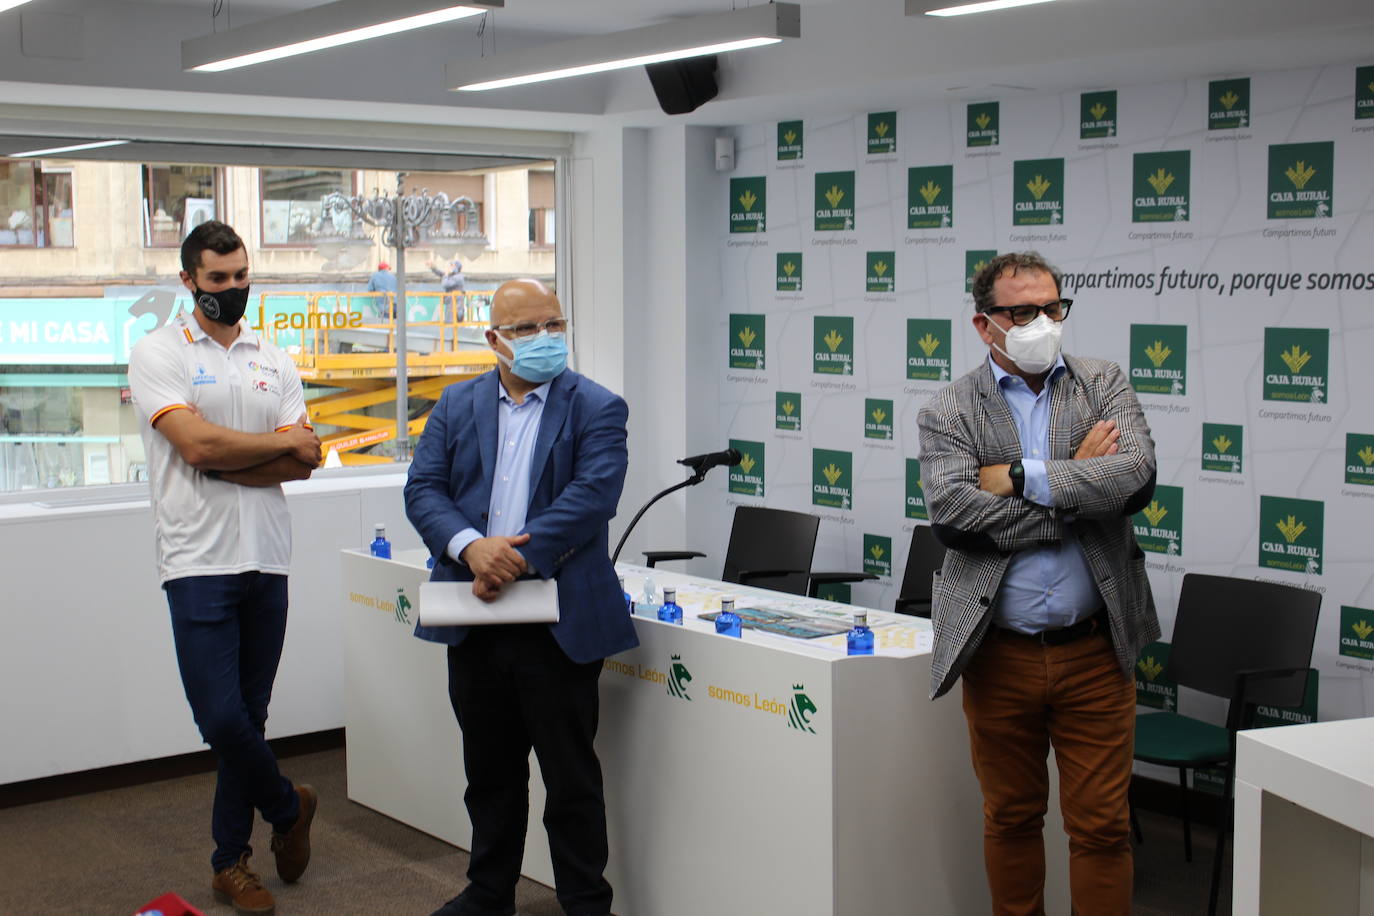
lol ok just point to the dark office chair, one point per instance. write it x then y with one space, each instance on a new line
769 548
1246 641
925 557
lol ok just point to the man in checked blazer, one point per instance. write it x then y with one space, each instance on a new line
1033 464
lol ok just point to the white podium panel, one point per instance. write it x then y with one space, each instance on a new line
1305 820
754 775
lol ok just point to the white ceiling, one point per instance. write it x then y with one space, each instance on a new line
853 54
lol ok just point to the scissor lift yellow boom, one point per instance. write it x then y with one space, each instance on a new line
334 345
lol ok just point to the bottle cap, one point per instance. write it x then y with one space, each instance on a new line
861 619
380 528
669 592
727 603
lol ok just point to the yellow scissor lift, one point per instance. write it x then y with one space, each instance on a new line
347 342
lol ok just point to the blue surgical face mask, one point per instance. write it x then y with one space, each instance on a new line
538 358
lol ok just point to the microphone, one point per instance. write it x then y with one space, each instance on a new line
700 464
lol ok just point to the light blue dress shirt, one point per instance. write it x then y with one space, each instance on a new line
518 428
1045 588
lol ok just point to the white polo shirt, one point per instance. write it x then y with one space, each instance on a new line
207 527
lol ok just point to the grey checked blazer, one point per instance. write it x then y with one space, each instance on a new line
968 425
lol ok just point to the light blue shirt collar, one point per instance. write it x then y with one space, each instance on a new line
1002 376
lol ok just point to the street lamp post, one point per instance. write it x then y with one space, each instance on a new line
401 219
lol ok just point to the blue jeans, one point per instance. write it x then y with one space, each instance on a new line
229 632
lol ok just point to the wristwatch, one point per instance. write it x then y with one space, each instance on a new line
1017 472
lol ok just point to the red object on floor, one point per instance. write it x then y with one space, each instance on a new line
168 905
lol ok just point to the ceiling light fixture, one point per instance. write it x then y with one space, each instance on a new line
715 33
327 26
54 150
914 7
11 4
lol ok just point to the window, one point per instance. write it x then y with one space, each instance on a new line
541 208
177 199
454 185
291 202
35 206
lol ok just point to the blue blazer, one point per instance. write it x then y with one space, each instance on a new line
576 475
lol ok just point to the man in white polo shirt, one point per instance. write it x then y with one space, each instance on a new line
224 424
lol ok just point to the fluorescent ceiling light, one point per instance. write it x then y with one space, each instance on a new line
913 7
52 151
715 33
11 4
328 26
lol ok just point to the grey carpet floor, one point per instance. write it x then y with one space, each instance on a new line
108 852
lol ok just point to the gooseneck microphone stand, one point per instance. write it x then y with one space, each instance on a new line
696 478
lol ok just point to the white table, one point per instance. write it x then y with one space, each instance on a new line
1305 819
716 801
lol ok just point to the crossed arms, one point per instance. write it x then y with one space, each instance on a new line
246 459
972 506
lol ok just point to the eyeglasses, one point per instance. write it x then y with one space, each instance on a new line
531 328
1022 315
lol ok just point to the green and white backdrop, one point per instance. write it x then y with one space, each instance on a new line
1217 237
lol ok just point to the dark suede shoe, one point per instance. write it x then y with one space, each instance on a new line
239 885
292 848
462 905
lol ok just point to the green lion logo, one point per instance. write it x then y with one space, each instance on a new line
402 606
678 679
800 710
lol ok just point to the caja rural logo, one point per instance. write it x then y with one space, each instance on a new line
1159 526
882 133
1301 180
746 478
1228 104
930 197
746 348
1160 187
833 345
1221 447
1291 534
1038 192
1159 358
1295 364
748 204
831 473
1097 115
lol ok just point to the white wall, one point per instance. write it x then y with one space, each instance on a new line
88 674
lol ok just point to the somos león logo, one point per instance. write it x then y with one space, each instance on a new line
1291 534
678 679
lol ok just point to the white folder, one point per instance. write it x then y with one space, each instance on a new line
447 604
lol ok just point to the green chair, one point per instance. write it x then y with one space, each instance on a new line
1247 642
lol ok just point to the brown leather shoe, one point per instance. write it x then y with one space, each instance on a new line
292 848
240 886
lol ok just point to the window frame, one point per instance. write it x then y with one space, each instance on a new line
145 214
263 244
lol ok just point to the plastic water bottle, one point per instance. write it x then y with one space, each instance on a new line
860 638
429 562
670 611
728 622
629 601
381 547
649 597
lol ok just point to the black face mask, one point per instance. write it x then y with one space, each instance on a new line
226 306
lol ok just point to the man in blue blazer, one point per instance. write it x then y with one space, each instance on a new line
516 476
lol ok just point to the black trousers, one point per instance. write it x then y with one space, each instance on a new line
513 689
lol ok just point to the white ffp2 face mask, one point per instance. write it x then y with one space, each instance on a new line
1033 347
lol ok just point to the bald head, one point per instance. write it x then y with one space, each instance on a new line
518 301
